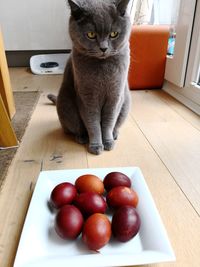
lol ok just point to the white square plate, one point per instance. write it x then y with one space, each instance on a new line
40 246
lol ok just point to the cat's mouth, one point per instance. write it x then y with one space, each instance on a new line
102 55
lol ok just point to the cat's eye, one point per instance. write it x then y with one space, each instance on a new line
113 34
91 35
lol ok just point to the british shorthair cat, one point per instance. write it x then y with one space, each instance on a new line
94 97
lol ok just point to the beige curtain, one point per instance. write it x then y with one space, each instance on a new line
143 11
155 11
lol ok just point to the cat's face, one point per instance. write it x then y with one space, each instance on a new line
99 28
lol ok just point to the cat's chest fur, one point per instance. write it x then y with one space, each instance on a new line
103 77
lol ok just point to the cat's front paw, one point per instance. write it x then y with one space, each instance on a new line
95 149
108 144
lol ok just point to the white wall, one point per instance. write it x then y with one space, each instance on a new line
35 24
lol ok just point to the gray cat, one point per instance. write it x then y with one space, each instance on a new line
94 97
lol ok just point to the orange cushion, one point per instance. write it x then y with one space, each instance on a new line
148 48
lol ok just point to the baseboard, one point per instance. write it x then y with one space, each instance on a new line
22 58
173 91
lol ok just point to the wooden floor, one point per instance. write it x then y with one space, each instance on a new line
161 136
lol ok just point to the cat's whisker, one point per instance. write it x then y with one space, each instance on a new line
135 60
91 52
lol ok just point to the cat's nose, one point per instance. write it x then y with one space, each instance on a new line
103 49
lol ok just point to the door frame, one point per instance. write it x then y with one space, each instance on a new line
176 66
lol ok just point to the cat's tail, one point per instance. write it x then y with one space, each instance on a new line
52 98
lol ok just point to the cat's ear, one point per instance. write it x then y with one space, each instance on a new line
122 6
76 10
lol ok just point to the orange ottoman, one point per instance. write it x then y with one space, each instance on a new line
148 48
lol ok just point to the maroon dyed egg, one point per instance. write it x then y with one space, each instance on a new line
125 223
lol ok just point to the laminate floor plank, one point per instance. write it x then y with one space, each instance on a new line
174 139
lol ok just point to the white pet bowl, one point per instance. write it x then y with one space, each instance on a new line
49 63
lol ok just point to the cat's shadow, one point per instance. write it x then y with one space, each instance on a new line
59 135
65 139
